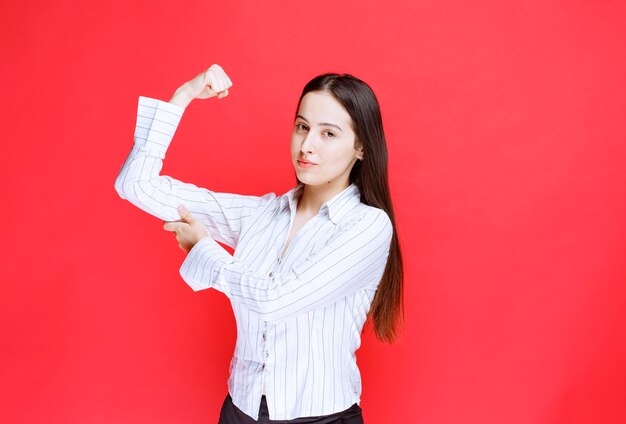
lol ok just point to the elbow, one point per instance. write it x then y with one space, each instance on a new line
126 188
120 187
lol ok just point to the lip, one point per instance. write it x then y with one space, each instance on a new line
305 163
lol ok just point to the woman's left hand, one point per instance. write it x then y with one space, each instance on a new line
188 230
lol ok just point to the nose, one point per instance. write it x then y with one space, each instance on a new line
307 143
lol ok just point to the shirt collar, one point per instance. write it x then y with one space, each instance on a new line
336 207
291 196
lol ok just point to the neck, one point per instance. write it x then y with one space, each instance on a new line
313 197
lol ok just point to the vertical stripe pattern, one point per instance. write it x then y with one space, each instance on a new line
299 317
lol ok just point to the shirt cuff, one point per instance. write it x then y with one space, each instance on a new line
203 264
156 124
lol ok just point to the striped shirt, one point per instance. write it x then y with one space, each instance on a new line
299 316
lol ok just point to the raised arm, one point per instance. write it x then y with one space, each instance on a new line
139 180
354 258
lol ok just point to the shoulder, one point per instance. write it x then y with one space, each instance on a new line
366 226
380 220
366 217
374 213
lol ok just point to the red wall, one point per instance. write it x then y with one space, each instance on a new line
506 130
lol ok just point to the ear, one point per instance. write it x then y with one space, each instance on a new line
359 152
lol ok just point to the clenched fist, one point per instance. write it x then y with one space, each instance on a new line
210 83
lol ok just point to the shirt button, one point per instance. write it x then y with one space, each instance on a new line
263 366
267 354
271 273
264 336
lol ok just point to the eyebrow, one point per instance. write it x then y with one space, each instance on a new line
324 124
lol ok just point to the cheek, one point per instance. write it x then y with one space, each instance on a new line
294 146
339 155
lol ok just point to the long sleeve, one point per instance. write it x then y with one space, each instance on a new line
355 257
139 181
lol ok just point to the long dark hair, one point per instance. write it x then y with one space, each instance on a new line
370 176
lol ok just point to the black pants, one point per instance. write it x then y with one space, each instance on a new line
230 414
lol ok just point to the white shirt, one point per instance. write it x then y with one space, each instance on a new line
299 318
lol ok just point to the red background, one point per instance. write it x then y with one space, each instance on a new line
506 130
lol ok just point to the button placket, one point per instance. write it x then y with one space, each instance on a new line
275 267
264 336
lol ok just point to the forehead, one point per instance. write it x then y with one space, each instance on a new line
320 106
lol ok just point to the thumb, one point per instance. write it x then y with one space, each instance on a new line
185 214
171 226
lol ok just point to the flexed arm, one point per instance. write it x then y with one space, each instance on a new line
139 180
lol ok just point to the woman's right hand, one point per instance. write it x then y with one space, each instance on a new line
210 83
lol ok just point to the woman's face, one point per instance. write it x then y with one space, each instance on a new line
323 136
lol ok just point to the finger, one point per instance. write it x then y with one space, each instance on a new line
171 226
208 78
212 79
226 83
223 81
230 83
216 83
221 86
185 214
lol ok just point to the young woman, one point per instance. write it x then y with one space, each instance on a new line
309 266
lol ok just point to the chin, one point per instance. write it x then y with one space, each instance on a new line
306 179
303 179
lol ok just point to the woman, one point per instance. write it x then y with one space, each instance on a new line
309 266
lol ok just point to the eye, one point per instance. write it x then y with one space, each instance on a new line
301 127
329 134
